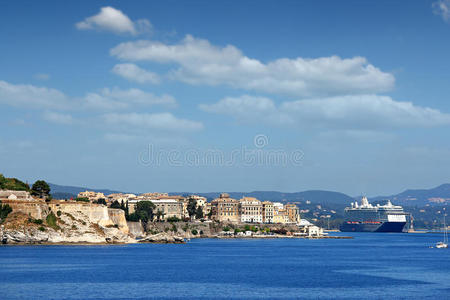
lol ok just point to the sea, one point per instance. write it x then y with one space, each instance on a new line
369 266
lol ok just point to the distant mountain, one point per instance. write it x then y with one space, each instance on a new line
66 192
419 197
314 196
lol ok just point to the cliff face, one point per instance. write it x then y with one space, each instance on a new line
68 223
34 208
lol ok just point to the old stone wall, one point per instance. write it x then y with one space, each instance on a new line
35 209
117 216
136 229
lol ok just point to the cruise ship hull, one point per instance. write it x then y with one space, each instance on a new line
373 227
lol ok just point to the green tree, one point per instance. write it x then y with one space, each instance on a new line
159 215
199 213
133 217
5 209
101 201
192 207
40 188
115 204
145 211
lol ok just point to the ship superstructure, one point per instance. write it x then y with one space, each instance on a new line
374 218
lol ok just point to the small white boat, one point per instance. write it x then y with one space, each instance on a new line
444 244
441 245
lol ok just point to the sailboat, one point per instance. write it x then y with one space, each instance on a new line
443 244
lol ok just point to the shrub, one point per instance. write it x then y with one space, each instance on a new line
82 199
36 221
173 219
194 231
201 232
133 217
74 227
226 229
51 221
237 230
58 213
4 211
41 228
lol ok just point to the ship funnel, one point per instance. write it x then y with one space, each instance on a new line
364 201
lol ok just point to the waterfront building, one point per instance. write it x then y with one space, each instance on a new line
251 210
119 197
225 209
201 202
154 195
169 207
91 195
267 212
280 217
277 206
292 213
208 208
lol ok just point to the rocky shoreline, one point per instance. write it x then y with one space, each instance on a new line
57 223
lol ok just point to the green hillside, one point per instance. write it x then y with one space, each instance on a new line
12 184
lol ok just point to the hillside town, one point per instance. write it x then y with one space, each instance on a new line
31 215
222 209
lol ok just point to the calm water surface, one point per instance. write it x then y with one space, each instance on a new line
371 265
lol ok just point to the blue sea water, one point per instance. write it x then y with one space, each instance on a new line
370 266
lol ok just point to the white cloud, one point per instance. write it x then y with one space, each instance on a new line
114 99
157 121
248 109
442 8
114 20
200 62
42 76
132 139
134 73
348 112
30 96
58 118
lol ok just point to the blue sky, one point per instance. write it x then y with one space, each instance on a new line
204 96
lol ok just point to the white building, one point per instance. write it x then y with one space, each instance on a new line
251 210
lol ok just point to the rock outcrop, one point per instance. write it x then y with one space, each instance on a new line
66 228
162 238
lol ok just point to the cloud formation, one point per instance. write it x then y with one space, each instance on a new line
157 121
200 62
134 73
30 96
347 112
115 21
117 99
59 118
442 8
